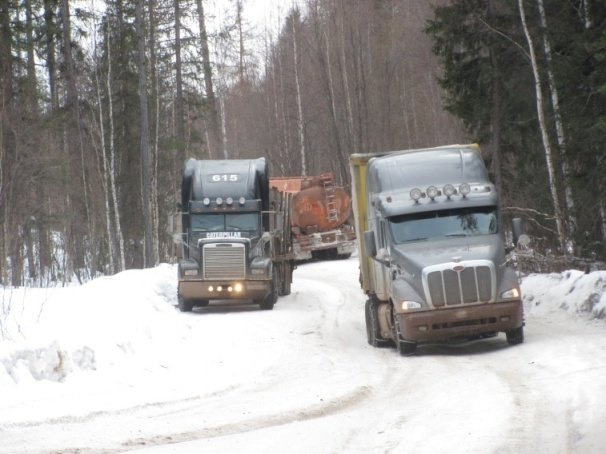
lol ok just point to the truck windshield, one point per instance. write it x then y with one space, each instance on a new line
225 222
444 223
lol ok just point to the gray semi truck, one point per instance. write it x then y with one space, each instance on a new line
235 234
432 249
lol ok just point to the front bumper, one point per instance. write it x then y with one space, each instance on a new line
192 289
443 324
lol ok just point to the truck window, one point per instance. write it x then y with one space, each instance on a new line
230 222
242 221
444 223
208 223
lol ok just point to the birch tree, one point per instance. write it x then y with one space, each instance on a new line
112 154
147 222
543 127
300 120
560 132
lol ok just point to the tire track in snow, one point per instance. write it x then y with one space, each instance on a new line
333 406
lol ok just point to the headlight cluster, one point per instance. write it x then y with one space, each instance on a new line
236 288
408 305
432 191
511 294
228 201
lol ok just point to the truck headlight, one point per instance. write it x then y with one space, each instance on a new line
511 294
432 192
464 189
408 305
190 272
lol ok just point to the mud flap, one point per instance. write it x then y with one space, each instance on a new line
373 333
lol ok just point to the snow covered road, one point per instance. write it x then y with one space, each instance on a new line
112 366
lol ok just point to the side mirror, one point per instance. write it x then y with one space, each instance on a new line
370 248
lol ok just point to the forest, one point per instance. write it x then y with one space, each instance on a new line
102 102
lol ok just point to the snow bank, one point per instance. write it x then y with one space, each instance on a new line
128 321
47 334
573 291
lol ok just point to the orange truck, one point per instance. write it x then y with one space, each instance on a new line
321 216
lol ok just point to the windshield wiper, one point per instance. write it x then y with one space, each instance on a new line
414 239
456 234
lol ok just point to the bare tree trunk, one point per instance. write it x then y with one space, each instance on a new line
277 129
586 8
49 12
31 63
495 115
223 126
179 107
322 36
154 149
112 154
139 21
285 123
544 135
241 70
345 81
105 176
555 102
78 185
7 142
215 133
300 120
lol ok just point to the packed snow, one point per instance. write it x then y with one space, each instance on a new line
113 366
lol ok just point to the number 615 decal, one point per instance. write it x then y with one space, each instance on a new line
224 177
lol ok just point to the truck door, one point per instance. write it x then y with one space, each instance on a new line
382 279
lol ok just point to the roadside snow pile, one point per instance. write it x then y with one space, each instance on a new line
574 291
127 323
46 334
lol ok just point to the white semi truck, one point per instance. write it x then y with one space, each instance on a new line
431 248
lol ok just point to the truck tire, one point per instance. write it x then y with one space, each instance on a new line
268 303
184 305
515 336
373 335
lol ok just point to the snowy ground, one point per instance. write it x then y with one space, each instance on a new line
112 366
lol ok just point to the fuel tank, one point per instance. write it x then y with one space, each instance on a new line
318 204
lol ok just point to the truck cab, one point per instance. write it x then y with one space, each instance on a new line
235 238
432 254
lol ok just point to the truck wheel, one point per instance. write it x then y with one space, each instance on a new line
184 305
372 327
268 303
515 336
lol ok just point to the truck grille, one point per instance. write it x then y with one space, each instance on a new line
454 284
224 261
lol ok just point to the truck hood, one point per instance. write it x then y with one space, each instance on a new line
412 258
